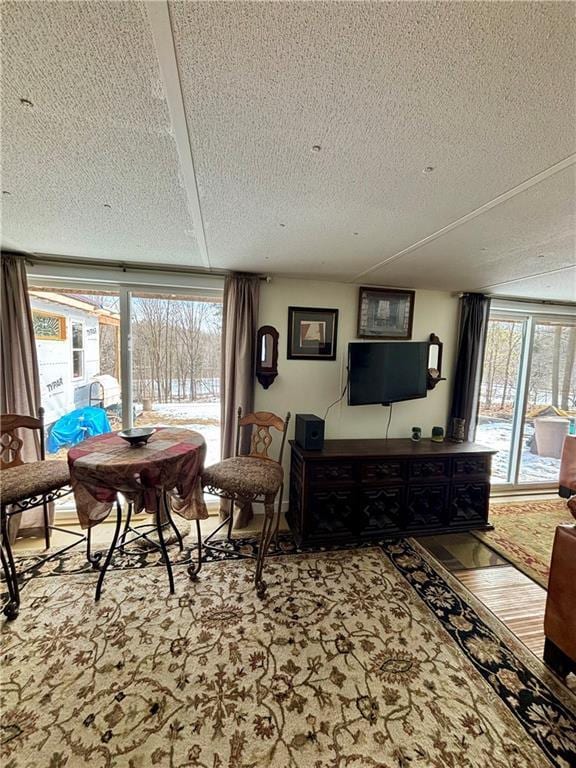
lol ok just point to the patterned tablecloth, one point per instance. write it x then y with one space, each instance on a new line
172 460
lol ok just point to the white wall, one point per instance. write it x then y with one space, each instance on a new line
310 386
58 389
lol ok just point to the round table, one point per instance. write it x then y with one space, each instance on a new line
160 477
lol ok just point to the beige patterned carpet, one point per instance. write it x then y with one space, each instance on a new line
358 658
524 534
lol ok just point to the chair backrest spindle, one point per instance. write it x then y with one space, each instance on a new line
261 439
11 444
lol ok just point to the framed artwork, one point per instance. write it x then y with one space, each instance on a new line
385 313
48 326
312 333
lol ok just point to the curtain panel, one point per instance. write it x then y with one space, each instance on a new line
472 327
20 380
239 327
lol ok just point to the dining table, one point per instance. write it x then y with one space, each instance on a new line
161 477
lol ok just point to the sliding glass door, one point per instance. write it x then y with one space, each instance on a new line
499 391
528 395
176 363
127 357
550 400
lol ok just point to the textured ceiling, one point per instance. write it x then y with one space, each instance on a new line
559 285
533 229
483 92
99 133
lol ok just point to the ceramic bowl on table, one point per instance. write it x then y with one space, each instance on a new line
137 436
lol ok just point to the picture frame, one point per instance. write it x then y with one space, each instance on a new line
385 313
312 333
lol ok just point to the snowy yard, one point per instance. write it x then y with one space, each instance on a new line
203 417
497 434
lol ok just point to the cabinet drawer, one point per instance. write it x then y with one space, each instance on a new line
426 506
381 509
471 465
329 513
382 471
430 469
331 471
469 504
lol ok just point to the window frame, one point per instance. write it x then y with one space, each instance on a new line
81 349
530 315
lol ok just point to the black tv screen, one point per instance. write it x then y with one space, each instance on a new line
386 372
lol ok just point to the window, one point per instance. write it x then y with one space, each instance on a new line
77 350
528 393
146 354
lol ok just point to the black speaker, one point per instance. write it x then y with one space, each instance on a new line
309 431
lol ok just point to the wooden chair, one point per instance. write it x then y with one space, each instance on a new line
252 478
25 486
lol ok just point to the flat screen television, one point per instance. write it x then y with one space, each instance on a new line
386 372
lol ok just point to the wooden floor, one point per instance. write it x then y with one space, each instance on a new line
515 599
512 596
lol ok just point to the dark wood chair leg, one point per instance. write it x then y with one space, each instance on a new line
46 524
12 608
230 518
265 539
557 659
278 516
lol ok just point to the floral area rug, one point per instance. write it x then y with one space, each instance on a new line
370 657
524 534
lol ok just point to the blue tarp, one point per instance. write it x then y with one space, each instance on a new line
76 426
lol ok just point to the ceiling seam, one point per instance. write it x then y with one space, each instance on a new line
163 36
527 184
528 277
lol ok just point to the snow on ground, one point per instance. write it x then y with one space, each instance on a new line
533 468
194 416
199 410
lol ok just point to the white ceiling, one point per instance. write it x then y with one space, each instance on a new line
202 169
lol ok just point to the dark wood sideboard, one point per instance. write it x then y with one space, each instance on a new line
363 489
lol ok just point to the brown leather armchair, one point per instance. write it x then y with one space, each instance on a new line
560 617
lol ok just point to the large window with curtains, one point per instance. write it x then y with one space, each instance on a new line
528 391
144 352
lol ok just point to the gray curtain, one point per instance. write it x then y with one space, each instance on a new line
472 326
20 382
239 328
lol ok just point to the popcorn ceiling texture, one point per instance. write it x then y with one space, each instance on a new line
99 132
511 232
483 92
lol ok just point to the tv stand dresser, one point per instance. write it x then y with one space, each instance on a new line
368 489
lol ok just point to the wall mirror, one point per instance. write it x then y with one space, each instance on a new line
266 355
434 373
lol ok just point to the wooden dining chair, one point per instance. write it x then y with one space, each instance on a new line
252 478
24 486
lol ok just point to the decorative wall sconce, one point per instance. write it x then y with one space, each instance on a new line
434 372
266 355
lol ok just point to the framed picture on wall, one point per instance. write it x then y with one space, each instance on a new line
385 313
312 333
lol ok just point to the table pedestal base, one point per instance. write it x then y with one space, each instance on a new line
150 540
156 537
